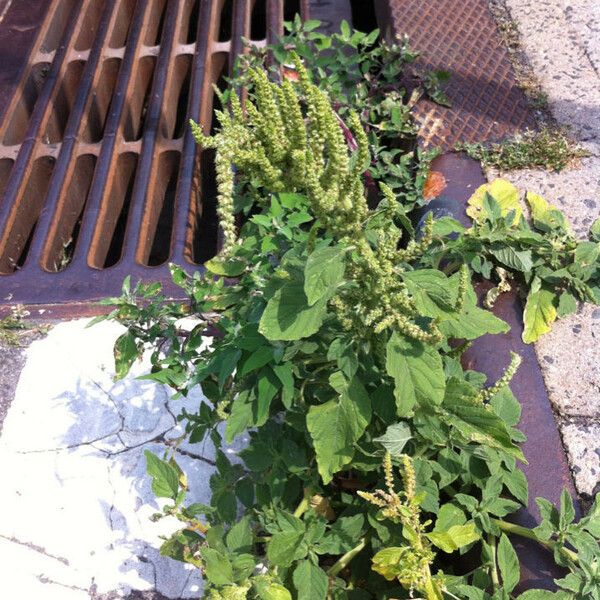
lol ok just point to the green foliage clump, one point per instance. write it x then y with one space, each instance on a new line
375 460
549 148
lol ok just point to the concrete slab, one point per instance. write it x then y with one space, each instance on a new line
76 501
561 41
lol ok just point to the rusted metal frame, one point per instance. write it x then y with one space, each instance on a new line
50 214
149 155
547 470
187 201
107 158
10 207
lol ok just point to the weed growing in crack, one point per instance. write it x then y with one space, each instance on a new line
549 148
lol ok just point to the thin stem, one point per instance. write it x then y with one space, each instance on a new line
530 535
343 562
302 507
493 567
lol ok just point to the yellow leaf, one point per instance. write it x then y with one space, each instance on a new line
539 315
503 192
544 213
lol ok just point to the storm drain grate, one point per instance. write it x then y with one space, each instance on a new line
99 175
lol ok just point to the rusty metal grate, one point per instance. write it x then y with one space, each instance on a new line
99 175
461 37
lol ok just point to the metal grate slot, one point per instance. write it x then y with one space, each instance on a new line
62 103
225 24
110 233
56 26
190 19
62 238
174 117
6 165
123 21
99 102
16 238
155 242
16 125
258 29
156 23
135 112
89 26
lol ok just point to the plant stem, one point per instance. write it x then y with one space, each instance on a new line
493 567
346 558
525 532
302 507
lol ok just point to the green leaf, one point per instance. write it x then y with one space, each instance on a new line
165 479
268 386
395 438
514 259
267 590
217 567
454 538
586 253
230 267
288 317
335 427
239 537
503 192
285 375
508 563
479 424
448 516
516 482
567 510
259 358
567 305
543 595
310 581
545 216
431 292
240 418
125 353
283 548
343 536
417 370
323 272
539 314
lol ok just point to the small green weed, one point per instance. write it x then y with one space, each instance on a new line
14 325
549 148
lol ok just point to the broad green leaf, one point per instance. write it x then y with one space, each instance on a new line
283 548
217 567
545 216
310 581
239 537
125 353
395 438
388 562
514 259
417 370
268 590
480 424
431 292
240 418
336 425
343 536
539 314
516 482
567 305
288 316
448 516
503 192
259 358
230 267
586 253
567 510
506 406
284 373
268 386
454 538
508 563
165 479
323 272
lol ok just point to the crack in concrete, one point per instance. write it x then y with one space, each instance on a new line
36 548
44 579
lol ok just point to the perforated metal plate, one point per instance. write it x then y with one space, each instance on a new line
461 37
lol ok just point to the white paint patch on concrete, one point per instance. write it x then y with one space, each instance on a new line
75 500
